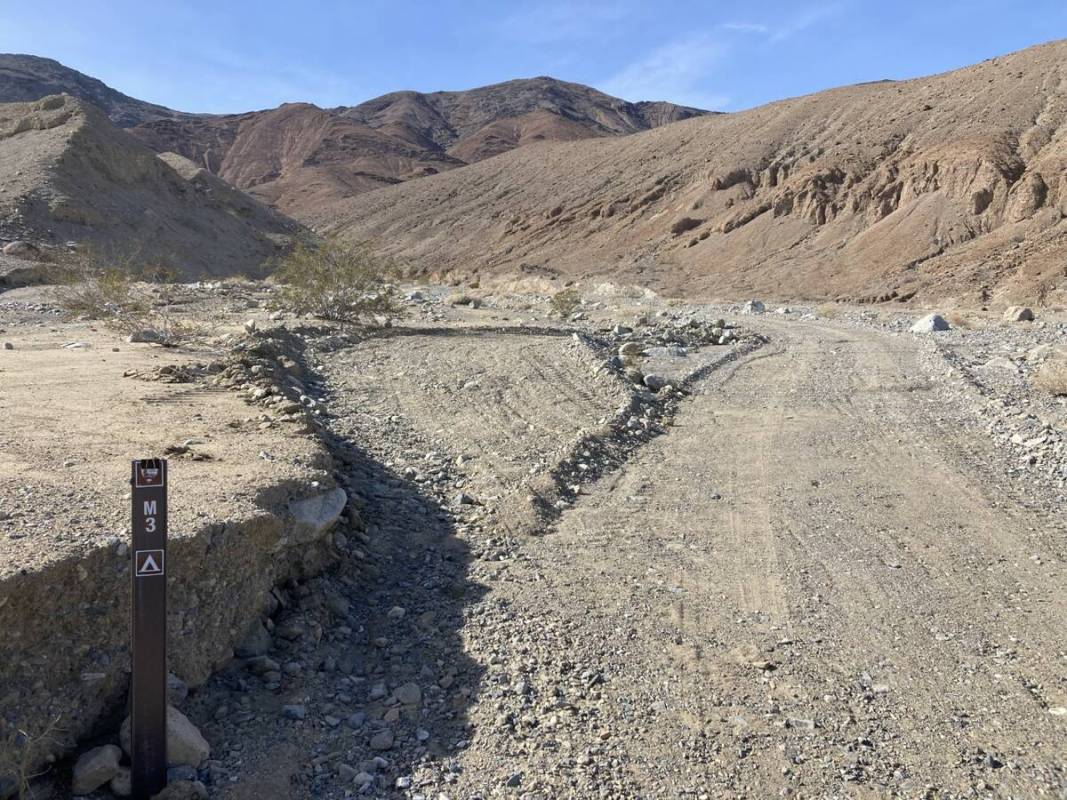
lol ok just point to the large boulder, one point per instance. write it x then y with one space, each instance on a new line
94 768
1019 314
314 516
185 744
931 323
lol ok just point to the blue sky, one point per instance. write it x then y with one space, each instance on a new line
239 55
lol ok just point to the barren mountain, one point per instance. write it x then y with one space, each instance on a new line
296 157
66 174
946 185
301 158
26 78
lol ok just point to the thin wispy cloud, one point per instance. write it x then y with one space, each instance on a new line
781 31
680 71
806 19
557 22
745 27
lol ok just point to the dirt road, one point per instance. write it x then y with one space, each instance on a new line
815 584
804 590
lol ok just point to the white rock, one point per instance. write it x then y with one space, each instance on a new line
753 307
94 768
931 323
185 745
313 517
1019 314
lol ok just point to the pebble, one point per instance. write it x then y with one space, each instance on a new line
295 711
409 694
383 740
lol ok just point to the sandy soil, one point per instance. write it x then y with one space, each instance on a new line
75 412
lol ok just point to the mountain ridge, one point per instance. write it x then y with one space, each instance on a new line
948 185
298 157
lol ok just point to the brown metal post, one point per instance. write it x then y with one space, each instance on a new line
148 734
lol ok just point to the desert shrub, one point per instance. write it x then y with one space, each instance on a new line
828 310
566 302
958 320
125 292
21 752
1051 376
463 299
341 281
685 224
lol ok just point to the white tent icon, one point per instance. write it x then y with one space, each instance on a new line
149 562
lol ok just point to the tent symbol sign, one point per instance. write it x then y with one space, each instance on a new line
149 563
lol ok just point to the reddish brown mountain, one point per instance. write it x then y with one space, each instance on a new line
301 158
952 185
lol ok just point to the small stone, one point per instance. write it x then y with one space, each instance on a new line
463 499
261 665
514 779
177 689
753 307
396 613
295 711
338 605
409 694
20 249
655 382
94 768
403 782
383 740
250 326
9 346
357 720
363 779
122 784
181 773
346 772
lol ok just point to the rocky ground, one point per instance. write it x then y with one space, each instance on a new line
608 556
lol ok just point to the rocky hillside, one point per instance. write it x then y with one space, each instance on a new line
952 185
301 158
26 78
67 174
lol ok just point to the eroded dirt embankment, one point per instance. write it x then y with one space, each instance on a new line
252 498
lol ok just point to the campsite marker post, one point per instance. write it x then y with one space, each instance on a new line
148 718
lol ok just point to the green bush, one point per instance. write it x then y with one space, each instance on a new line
566 302
336 280
125 292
